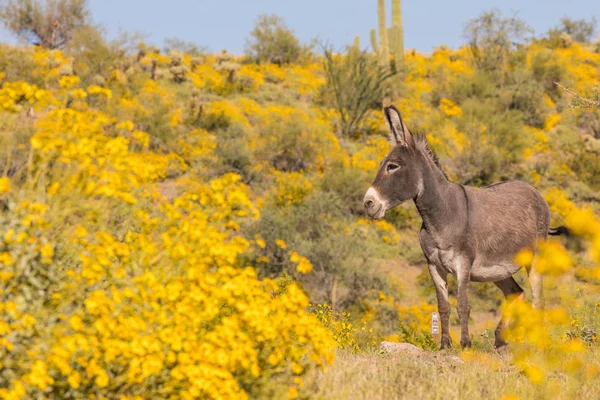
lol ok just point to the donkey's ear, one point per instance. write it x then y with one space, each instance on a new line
399 133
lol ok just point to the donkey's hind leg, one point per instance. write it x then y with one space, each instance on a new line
536 281
512 291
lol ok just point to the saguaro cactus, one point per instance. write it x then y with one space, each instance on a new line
389 38
356 43
396 34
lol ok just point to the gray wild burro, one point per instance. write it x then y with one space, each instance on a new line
473 233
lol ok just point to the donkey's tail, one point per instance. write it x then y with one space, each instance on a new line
560 230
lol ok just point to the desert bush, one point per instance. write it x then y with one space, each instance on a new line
292 140
183 46
349 185
93 55
585 164
527 96
579 30
355 84
47 23
17 64
495 144
272 42
342 269
233 153
348 333
491 36
415 324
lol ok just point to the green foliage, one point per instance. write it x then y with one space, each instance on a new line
546 70
272 42
346 333
491 37
94 56
568 31
294 142
47 23
348 184
16 63
586 164
342 257
492 148
579 30
232 151
355 83
526 95
416 336
183 46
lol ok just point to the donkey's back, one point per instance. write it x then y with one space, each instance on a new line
504 218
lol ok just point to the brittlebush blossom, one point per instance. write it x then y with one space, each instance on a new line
4 185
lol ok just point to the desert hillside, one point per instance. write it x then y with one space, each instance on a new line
176 223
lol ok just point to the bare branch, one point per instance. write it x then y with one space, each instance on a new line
586 101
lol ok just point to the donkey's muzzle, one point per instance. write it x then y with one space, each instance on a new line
373 206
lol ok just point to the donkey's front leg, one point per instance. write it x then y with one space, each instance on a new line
439 277
463 275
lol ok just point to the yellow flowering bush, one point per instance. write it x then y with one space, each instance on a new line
158 304
370 155
542 340
449 108
166 305
292 188
249 78
415 325
15 95
347 333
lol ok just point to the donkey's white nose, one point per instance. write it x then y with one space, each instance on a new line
373 204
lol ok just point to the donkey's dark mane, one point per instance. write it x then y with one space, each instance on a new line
422 144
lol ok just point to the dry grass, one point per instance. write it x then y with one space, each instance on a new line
437 375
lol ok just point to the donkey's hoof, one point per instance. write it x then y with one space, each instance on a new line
500 344
446 344
501 347
465 343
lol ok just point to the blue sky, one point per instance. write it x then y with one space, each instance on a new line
225 24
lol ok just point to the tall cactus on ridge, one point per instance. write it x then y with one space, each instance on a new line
383 36
396 34
355 48
356 43
389 38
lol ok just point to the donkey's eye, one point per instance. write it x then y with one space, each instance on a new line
392 167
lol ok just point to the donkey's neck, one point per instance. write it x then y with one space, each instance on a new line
436 199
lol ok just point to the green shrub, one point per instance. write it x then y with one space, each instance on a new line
272 42
344 269
349 184
45 23
355 84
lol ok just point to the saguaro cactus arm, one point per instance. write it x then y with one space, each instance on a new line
374 43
